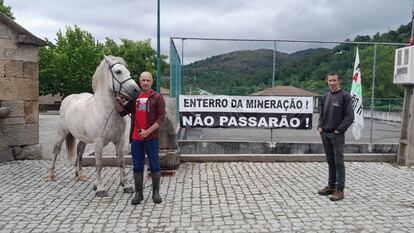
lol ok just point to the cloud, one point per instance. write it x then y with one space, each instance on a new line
261 19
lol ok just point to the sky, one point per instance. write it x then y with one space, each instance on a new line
327 20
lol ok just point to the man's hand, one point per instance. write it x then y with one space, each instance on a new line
336 131
120 104
144 133
320 130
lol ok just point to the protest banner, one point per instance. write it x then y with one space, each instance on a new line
246 111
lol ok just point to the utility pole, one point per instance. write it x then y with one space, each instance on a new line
158 48
412 26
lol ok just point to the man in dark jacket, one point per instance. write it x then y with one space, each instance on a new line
147 114
336 116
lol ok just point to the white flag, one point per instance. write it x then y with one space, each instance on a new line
356 94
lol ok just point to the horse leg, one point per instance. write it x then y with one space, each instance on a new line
80 149
121 162
56 150
100 190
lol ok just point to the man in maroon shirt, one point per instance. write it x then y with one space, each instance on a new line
147 114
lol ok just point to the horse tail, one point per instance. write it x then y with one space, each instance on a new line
70 144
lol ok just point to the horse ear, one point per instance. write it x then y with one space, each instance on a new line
108 60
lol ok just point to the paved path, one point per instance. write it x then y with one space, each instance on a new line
210 197
206 197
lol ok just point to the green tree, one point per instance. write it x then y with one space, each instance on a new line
48 79
139 55
111 47
68 66
6 10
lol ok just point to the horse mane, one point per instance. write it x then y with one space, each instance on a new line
103 70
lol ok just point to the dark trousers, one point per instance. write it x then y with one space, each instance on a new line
334 150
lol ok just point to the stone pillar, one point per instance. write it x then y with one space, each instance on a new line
19 95
169 153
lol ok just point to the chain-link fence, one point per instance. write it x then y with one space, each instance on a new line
202 66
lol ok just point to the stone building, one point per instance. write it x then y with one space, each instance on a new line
19 92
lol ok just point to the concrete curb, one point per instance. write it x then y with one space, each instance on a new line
169 159
257 147
107 160
372 157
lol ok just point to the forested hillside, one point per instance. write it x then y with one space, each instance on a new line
247 71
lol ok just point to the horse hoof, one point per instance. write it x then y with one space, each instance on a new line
102 193
94 187
51 178
128 190
83 178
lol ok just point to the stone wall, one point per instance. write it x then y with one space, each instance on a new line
19 98
50 99
394 117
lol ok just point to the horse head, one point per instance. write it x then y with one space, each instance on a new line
116 77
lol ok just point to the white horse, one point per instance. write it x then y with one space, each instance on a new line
93 119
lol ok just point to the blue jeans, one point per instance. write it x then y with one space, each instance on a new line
334 150
149 147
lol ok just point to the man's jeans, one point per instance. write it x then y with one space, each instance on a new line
334 151
139 149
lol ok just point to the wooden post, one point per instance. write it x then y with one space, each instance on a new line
406 146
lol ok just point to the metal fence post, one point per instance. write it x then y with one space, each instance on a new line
273 82
274 68
389 108
372 96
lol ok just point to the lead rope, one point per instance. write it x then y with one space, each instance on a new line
106 123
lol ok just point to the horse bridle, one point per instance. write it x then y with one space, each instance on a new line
114 78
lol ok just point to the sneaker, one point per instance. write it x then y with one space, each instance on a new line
337 195
326 191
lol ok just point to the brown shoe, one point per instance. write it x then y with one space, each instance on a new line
326 191
337 195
